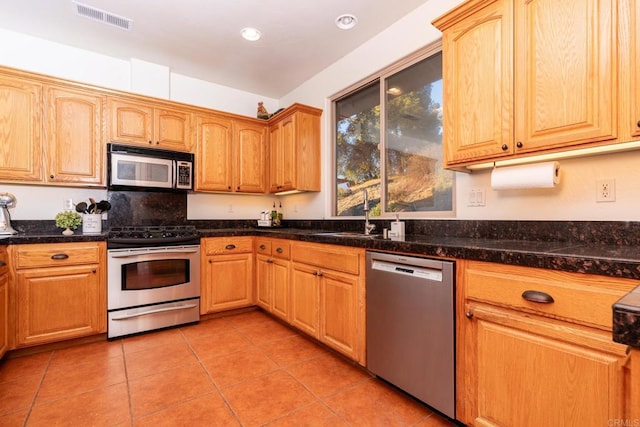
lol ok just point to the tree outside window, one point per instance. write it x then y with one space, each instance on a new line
389 141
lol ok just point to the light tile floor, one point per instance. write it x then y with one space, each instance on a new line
246 369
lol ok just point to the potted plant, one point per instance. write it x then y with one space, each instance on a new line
68 220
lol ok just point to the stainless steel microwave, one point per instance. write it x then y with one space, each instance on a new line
141 168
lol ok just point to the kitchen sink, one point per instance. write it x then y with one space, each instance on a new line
347 234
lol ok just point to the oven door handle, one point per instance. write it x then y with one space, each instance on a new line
152 252
159 310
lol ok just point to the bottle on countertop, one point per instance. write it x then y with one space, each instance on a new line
274 216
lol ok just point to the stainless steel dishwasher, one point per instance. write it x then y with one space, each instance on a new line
410 326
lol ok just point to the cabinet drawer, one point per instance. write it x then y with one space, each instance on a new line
56 254
263 246
4 260
578 297
280 249
228 245
332 257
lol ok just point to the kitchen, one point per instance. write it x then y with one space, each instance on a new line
572 201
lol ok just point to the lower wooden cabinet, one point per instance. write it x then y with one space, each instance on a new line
227 274
535 348
272 276
60 291
327 296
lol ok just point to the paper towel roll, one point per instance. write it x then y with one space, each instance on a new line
537 175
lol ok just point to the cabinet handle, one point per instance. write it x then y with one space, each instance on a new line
150 142
537 296
59 256
263 247
229 247
269 261
2 263
320 274
519 144
93 271
505 147
469 315
51 176
238 189
229 188
279 250
638 124
315 273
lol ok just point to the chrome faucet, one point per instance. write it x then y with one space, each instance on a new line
368 228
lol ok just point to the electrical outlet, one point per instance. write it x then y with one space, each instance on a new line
606 190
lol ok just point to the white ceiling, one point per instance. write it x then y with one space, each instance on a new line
201 38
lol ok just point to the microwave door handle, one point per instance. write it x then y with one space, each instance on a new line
174 174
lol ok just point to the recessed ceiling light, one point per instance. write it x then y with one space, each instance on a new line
251 34
346 21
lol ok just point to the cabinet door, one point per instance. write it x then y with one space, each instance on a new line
478 85
305 298
20 130
264 293
172 129
130 122
280 288
4 314
275 154
213 139
565 86
538 373
282 160
634 69
338 312
54 304
228 282
74 136
250 158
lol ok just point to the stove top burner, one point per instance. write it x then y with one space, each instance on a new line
130 237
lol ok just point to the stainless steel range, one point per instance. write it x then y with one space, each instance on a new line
153 278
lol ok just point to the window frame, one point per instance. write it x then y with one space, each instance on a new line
381 76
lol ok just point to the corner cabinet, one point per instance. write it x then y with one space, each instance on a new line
156 125
60 291
294 150
327 296
511 86
535 348
227 273
272 275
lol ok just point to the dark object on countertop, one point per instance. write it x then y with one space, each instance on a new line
93 208
626 319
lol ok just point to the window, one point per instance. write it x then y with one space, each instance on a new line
388 141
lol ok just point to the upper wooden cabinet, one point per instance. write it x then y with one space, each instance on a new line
629 82
50 134
294 150
133 122
231 154
20 130
74 135
513 86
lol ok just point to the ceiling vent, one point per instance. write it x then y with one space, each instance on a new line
102 16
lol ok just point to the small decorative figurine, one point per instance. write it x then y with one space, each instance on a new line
262 112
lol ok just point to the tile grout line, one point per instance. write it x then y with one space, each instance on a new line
215 385
35 396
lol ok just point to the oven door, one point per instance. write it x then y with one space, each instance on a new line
128 170
144 276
